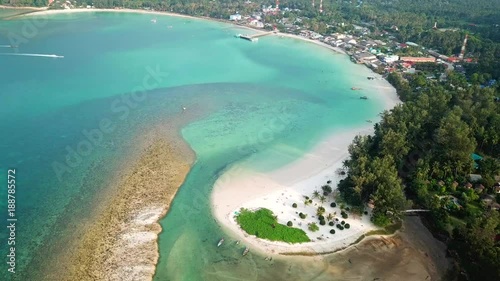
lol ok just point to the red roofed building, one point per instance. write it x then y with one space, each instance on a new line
417 59
453 59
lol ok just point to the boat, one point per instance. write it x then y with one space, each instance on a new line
246 251
364 97
220 242
370 78
153 20
238 242
355 88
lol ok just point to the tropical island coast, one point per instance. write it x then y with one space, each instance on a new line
285 186
424 155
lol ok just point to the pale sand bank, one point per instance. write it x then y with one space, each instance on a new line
122 245
278 190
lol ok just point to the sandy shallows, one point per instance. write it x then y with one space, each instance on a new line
121 244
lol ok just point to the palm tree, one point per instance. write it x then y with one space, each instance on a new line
320 211
306 202
315 194
322 199
329 217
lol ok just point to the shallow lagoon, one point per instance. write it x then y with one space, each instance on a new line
271 101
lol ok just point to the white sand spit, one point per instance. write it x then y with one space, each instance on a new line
241 187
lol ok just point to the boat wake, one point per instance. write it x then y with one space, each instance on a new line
32 55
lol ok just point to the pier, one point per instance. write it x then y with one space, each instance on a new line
254 37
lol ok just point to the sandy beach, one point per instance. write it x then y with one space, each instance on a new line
44 11
319 43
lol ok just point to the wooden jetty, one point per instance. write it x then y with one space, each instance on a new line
254 37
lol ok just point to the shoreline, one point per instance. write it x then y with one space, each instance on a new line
277 190
45 11
319 43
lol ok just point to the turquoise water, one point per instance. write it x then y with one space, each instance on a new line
4 13
272 100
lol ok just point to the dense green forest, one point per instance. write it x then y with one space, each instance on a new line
420 156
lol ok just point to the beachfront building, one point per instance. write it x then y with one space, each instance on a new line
310 34
256 23
390 58
235 17
364 57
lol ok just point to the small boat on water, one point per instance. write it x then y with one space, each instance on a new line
364 97
246 251
153 20
355 88
238 242
220 242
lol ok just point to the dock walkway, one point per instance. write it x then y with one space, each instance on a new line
254 37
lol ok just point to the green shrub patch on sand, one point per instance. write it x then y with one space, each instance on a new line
263 224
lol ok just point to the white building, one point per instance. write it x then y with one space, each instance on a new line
256 23
257 16
338 35
235 17
350 41
391 59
